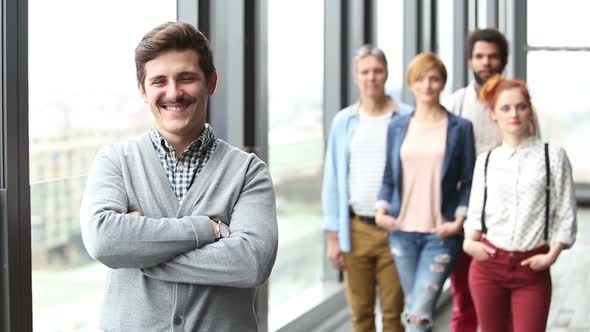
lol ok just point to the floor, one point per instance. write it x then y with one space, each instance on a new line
570 303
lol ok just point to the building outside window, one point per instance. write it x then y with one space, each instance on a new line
296 151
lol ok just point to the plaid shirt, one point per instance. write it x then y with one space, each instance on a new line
182 173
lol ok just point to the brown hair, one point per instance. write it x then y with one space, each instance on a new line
173 36
490 36
423 63
494 86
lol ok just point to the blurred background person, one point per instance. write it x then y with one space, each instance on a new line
487 54
354 163
522 215
425 191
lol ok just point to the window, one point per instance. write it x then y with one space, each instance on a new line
445 12
296 149
390 34
554 24
560 97
559 93
82 95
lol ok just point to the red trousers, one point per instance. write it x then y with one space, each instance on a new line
502 288
463 317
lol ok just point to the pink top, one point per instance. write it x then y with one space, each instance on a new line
422 154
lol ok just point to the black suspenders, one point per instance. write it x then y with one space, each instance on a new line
484 228
547 190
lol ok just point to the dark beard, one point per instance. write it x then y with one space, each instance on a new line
478 79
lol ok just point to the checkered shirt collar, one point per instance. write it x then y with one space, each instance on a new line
198 146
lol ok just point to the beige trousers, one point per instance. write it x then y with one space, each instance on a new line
369 267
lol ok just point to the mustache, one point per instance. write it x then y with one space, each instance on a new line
179 100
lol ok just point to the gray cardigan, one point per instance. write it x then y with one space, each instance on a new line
167 273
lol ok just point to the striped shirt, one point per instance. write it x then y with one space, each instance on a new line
367 161
182 172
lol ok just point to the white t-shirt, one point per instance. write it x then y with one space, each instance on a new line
367 162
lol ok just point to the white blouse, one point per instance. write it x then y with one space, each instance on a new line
515 208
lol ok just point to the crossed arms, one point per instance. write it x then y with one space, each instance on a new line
181 249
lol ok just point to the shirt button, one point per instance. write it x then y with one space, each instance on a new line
177 320
181 167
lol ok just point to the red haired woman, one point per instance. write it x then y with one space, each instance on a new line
522 214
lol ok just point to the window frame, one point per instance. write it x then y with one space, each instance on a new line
15 225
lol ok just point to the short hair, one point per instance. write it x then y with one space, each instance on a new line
423 63
494 86
491 36
367 50
173 36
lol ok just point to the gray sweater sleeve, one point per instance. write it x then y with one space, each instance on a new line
245 259
119 240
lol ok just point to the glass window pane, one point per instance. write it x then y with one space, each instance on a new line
563 23
82 95
296 148
560 96
446 50
390 34
482 15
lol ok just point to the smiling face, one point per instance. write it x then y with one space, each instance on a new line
177 91
485 61
370 76
427 87
513 113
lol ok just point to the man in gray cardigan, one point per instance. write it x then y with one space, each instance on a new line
185 222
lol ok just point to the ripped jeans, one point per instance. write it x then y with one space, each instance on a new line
424 261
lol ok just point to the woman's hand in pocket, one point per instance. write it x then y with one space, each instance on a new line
539 262
478 250
386 222
447 229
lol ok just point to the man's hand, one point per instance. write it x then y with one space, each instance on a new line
135 213
477 249
335 255
447 229
215 225
385 221
220 229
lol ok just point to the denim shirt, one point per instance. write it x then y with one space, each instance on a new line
457 169
335 198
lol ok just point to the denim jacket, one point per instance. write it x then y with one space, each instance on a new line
457 169
335 198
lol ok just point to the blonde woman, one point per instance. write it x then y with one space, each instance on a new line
522 215
425 191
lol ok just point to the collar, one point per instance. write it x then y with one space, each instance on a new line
523 148
198 145
471 89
